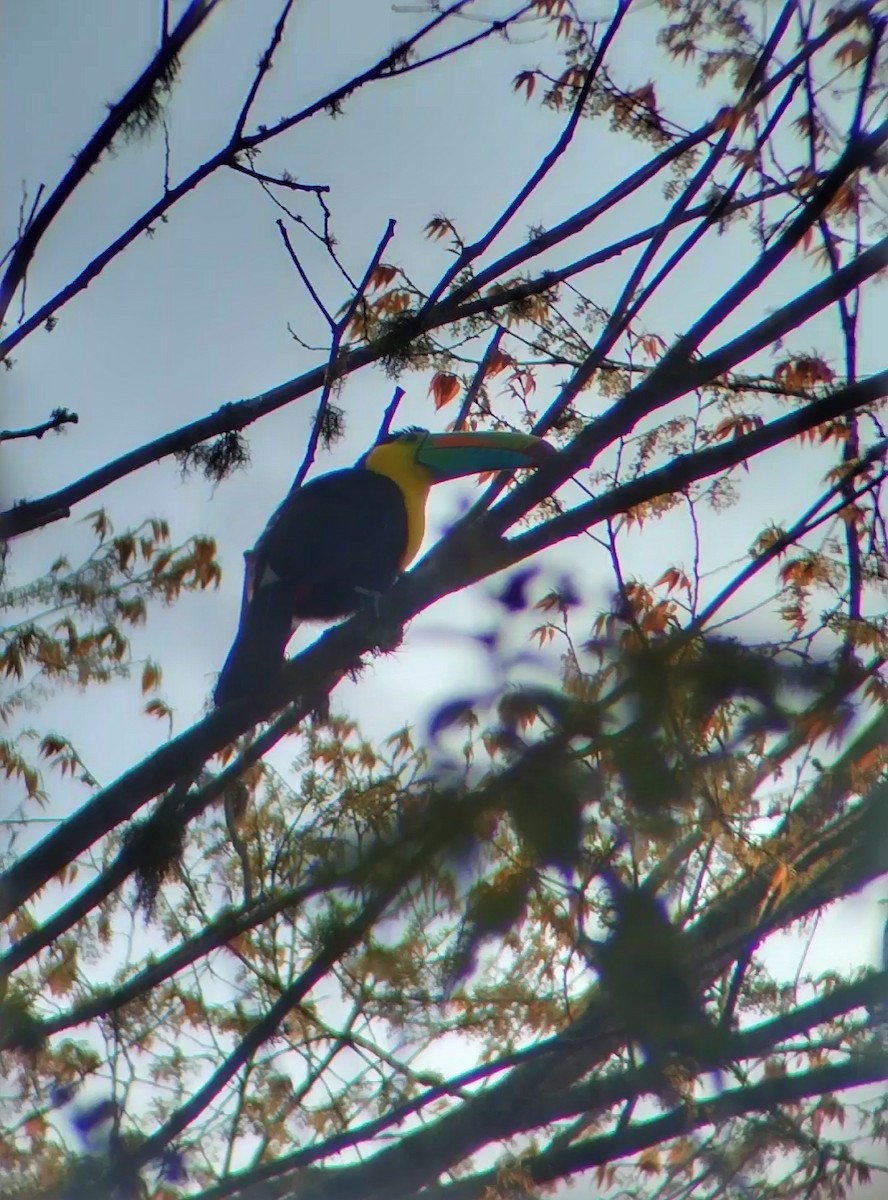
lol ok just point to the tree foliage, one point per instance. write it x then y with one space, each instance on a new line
560 930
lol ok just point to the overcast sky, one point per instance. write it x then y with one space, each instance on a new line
197 314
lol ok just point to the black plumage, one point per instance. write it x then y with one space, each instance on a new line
330 547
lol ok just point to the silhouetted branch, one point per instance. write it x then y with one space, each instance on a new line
280 180
686 469
235 416
332 371
309 286
194 16
265 64
224 157
478 379
59 417
388 416
476 249
546 1168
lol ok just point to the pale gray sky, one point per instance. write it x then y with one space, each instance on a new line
197 315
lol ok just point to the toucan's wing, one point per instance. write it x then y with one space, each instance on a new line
342 530
345 529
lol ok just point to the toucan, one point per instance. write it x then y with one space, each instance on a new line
340 541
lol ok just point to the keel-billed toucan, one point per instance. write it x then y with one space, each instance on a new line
344 538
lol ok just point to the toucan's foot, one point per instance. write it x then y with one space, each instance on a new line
390 636
319 713
372 599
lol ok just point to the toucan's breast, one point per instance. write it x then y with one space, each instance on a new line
397 463
339 536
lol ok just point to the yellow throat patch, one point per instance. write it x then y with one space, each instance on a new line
395 460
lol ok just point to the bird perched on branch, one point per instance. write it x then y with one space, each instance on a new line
342 540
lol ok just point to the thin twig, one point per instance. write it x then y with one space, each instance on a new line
379 70
687 469
332 372
166 157
389 414
279 181
328 317
472 252
475 386
877 27
265 64
59 417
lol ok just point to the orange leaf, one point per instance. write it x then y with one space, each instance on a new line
727 118
681 1153
150 677
382 276
193 1009
35 1127
526 80
803 372
673 578
498 361
649 1161
444 388
62 976
394 301
851 53
780 881
653 345
438 228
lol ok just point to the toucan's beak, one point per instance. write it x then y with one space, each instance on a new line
449 455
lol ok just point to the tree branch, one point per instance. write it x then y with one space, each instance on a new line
58 418
686 469
194 16
232 416
224 157
592 1152
477 248
332 372
265 64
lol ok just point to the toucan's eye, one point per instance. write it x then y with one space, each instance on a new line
411 434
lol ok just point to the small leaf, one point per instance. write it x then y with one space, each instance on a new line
438 228
649 1161
444 388
526 80
381 276
159 709
150 676
497 362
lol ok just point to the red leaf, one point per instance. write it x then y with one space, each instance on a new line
498 361
444 388
526 80
382 276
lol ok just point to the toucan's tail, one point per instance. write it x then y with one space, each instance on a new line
254 660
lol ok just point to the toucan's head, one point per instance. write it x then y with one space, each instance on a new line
434 457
